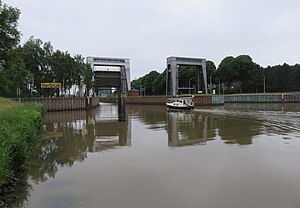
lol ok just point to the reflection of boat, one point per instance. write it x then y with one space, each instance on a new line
180 103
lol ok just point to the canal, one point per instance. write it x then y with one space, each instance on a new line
238 155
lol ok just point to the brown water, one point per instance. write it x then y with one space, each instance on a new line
237 156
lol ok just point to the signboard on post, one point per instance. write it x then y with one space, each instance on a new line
50 85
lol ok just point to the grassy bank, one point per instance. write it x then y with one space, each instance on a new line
6 104
18 127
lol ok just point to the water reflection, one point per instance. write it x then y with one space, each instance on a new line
295 107
238 131
154 117
72 136
69 136
186 128
198 128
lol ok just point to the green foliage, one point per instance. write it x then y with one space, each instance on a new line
35 62
9 38
18 127
9 35
210 67
240 72
15 73
152 83
186 74
282 78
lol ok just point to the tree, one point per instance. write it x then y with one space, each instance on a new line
160 84
187 73
9 35
152 83
16 74
34 58
87 76
9 38
65 70
240 73
148 82
282 78
224 71
210 67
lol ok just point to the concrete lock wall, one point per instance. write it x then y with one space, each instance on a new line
107 100
217 100
161 100
62 104
263 98
203 100
292 98
147 100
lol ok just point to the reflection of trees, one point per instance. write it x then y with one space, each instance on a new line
184 128
17 195
190 128
68 137
71 146
152 115
237 130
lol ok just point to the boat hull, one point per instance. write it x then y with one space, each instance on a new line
180 107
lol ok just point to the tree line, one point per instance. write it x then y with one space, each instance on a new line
233 75
24 67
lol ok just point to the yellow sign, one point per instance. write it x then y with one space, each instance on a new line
50 85
52 134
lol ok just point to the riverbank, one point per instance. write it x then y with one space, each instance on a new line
18 128
6 104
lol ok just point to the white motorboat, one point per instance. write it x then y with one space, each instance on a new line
180 103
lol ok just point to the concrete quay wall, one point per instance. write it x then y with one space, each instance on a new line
208 100
161 100
263 98
63 104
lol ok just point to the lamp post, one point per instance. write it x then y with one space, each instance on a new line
210 86
210 81
190 85
219 85
223 88
264 83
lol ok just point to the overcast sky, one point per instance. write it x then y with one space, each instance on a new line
149 31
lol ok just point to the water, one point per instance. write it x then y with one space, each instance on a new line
223 157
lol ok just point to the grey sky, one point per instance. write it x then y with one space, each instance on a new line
149 31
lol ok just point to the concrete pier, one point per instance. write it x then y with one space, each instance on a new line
121 107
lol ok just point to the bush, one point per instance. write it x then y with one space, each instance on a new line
18 128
